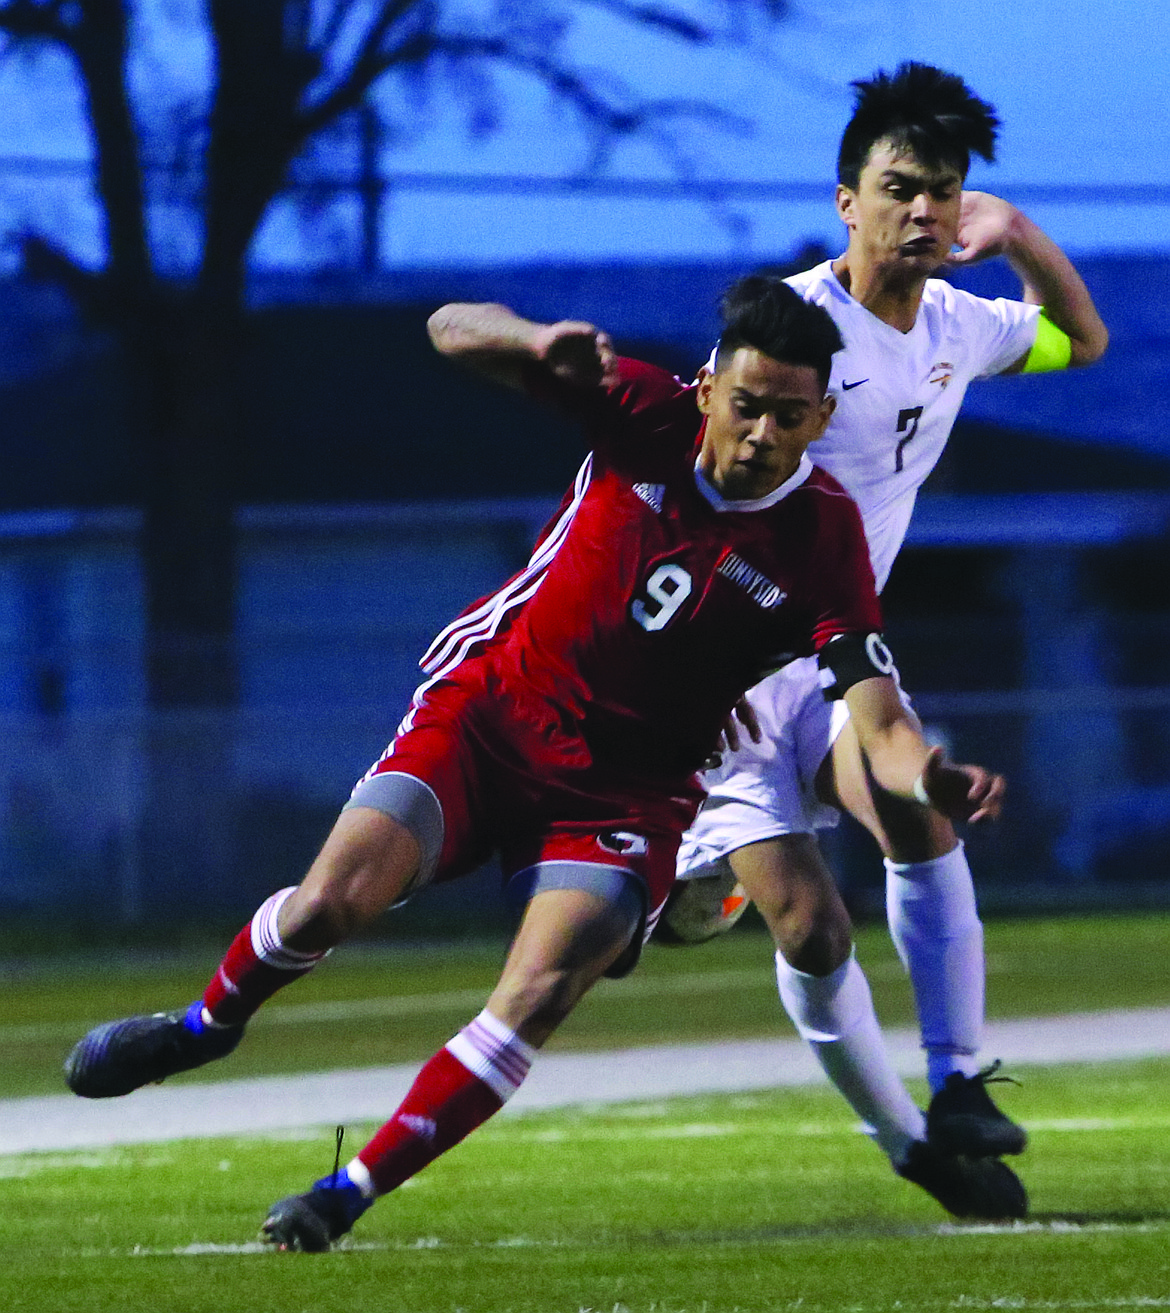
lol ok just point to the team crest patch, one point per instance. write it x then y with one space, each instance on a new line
941 373
758 586
651 493
623 843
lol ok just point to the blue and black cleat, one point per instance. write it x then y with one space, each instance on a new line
120 1056
309 1223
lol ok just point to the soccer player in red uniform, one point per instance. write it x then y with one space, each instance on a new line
565 717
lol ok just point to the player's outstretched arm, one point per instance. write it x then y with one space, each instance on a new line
496 341
903 764
990 226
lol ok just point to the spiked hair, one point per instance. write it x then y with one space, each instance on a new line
763 312
921 109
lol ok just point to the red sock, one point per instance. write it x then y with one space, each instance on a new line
448 1101
255 966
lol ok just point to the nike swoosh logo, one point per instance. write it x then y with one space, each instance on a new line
848 387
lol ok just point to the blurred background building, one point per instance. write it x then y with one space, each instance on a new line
240 494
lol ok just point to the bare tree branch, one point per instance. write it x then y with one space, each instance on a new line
660 19
252 131
370 61
93 32
30 20
335 21
575 87
98 42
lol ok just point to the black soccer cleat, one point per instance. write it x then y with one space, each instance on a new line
120 1056
977 1188
309 1223
962 1119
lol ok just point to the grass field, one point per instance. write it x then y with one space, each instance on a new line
703 1205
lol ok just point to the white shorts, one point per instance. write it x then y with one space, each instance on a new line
768 788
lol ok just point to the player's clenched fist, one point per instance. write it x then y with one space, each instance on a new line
576 352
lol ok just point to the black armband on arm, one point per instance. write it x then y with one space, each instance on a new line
849 658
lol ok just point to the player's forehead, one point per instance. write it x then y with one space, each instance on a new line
751 373
889 157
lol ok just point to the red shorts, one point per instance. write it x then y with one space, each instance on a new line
508 778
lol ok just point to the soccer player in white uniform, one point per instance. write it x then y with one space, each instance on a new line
912 345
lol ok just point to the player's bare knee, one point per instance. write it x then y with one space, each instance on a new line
536 1005
553 997
817 946
319 916
335 901
366 864
810 926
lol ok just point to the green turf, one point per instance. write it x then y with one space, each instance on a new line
751 1203
367 1005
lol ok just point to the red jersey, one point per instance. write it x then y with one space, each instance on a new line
650 604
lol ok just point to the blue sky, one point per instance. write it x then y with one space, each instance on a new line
1084 94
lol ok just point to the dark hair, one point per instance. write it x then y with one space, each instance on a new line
763 312
921 109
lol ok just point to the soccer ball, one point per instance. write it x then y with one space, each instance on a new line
701 909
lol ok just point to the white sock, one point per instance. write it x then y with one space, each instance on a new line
359 1174
835 1015
939 937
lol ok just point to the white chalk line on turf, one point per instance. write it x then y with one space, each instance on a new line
1012 1301
806 1130
200 1249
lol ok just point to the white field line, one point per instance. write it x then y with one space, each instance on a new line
807 1130
182 1110
942 1229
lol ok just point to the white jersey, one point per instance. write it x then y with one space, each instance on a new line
898 394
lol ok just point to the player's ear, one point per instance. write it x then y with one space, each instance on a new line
846 199
826 413
706 381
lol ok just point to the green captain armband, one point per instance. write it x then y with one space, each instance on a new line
1051 350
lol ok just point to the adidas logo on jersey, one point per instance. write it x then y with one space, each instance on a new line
651 493
758 587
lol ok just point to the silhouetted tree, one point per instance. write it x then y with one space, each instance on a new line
283 71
